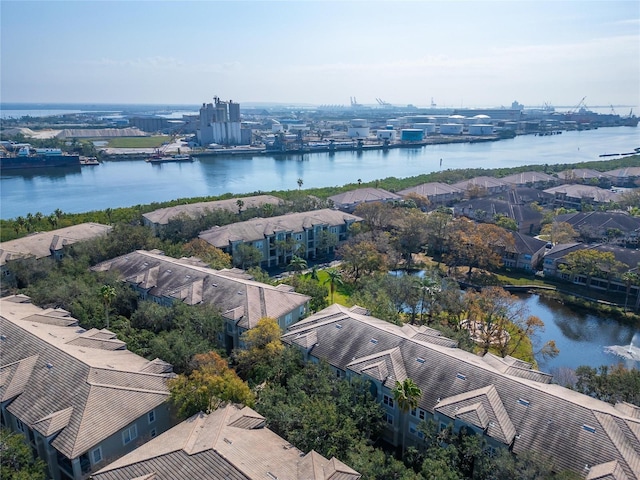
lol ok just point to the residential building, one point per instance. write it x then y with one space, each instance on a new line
480 186
577 195
504 400
161 217
617 228
526 253
437 193
52 243
530 179
305 234
348 201
625 177
585 176
241 300
79 397
230 443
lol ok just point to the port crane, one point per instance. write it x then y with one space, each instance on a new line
580 105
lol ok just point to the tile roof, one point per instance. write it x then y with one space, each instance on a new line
162 216
59 386
581 174
571 428
363 195
523 178
229 443
601 221
237 297
432 189
261 228
482 181
40 245
577 190
624 172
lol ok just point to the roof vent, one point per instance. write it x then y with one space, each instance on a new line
420 360
214 284
3 337
49 366
228 441
461 376
524 402
589 428
271 475
374 341
338 326
169 271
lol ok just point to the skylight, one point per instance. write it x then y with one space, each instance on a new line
461 376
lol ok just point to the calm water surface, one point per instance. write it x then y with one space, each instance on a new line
126 183
580 337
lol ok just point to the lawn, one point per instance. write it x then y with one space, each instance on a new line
341 294
138 142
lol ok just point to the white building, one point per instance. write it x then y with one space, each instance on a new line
219 123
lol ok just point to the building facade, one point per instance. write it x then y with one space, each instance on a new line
79 397
219 123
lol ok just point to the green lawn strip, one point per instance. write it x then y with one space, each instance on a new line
342 293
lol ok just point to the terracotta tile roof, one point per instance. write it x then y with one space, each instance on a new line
40 245
230 443
237 297
571 428
60 385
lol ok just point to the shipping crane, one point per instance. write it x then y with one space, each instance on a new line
580 105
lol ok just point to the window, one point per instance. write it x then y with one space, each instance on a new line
129 434
389 418
153 432
20 425
288 319
413 430
421 414
96 455
414 412
258 245
387 400
151 416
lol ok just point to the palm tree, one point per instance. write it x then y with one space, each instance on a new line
407 394
108 293
240 204
300 182
334 278
630 278
297 263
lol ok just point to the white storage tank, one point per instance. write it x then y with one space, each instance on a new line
480 129
359 122
389 135
427 128
455 119
277 128
359 128
395 122
451 129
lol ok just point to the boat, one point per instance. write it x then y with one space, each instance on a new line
89 161
25 158
170 158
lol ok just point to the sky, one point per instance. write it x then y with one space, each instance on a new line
455 53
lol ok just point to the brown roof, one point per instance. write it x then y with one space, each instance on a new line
261 228
40 245
363 195
571 428
237 297
55 385
432 189
231 442
162 216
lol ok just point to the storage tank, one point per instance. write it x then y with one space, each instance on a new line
412 135
359 128
451 129
480 129
427 128
359 122
386 135
455 119
277 128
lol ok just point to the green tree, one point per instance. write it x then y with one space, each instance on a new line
591 263
245 256
107 294
610 384
559 232
297 264
407 394
210 384
334 279
361 258
16 459
262 349
240 204
212 256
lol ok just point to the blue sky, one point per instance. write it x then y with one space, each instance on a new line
460 53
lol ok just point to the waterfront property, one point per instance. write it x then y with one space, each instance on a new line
161 217
305 234
555 257
530 179
79 397
624 177
617 228
480 186
585 176
231 443
51 243
241 301
506 401
576 195
348 201
525 254
437 193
